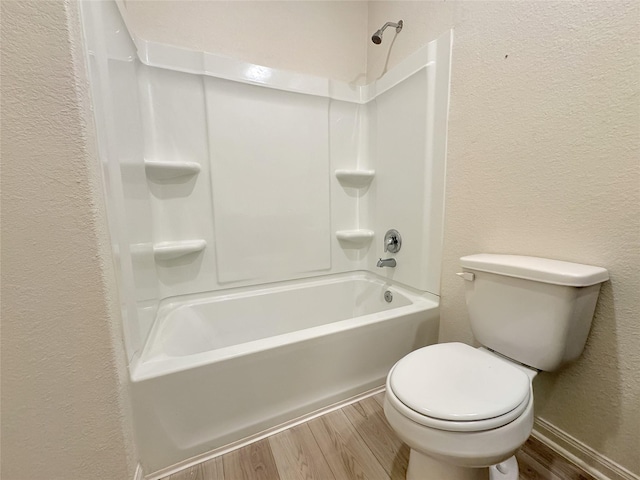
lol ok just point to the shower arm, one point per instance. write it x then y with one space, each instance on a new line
397 26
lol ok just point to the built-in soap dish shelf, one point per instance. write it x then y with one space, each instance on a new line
177 249
358 236
355 178
164 170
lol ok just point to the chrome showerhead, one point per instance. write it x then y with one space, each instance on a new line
377 37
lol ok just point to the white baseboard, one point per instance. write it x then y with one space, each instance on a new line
139 474
577 452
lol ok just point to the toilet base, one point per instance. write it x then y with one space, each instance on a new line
507 470
424 467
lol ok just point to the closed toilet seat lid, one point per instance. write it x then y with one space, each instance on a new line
453 382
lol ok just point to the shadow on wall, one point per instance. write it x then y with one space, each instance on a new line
179 187
358 80
599 359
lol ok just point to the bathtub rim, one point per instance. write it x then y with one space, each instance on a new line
144 368
175 301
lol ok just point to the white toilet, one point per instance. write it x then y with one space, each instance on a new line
462 409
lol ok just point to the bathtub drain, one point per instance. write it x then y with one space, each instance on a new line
388 296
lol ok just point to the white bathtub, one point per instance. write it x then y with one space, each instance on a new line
220 367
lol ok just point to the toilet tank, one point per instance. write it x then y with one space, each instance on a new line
533 310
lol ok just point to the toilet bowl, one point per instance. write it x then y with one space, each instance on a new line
487 403
465 411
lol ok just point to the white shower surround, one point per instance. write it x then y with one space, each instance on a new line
189 205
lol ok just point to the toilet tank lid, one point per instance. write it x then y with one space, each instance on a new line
537 269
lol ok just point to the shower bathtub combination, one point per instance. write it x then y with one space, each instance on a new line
247 208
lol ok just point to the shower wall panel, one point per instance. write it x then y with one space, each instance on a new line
136 201
269 155
265 199
401 197
113 71
408 129
175 130
349 203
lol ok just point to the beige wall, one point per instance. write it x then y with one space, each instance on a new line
322 38
63 402
544 159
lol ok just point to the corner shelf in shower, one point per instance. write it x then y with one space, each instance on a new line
171 250
162 170
355 178
358 236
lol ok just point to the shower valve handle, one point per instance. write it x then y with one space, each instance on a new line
392 241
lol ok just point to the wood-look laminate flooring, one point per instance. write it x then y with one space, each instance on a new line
355 442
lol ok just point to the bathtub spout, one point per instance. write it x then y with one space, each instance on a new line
387 262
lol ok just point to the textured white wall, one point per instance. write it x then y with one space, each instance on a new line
544 159
63 400
322 38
